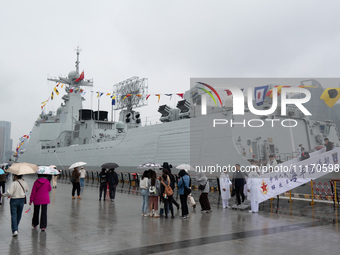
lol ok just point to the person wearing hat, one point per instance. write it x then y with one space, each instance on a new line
82 176
225 189
253 188
17 193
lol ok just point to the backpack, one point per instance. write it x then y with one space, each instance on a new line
202 187
152 190
168 190
187 190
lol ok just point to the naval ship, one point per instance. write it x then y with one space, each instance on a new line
184 135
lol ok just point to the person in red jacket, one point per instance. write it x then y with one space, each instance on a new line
40 197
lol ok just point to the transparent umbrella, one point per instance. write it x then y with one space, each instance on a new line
150 165
186 167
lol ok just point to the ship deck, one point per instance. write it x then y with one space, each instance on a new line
88 226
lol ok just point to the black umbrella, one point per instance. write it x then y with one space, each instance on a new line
110 165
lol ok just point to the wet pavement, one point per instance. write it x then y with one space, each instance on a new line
88 226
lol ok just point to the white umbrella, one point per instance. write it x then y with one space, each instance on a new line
150 165
22 168
77 164
186 167
47 170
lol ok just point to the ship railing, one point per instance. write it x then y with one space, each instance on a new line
286 156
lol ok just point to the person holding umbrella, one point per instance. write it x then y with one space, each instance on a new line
75 178
54 177
75 183
17 193
40 198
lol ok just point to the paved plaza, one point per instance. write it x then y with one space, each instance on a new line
88 226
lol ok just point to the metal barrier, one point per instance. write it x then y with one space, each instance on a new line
335 191
322 191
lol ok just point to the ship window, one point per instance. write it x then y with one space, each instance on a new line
322 128
325 129
42 147
47 147
104 125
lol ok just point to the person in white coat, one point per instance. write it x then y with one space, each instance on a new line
253 189
225 189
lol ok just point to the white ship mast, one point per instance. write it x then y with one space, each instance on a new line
73 99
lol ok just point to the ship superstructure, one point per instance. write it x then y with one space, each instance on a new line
184 136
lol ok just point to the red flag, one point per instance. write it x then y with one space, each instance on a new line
228 92
269 93
71 90
147 96
180 94
81 77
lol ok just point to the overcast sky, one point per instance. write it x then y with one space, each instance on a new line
165 41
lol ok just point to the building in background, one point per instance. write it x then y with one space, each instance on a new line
5 141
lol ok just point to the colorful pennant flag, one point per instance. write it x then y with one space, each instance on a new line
81 77
159 96
147 97
128 95
331 96
52 96
307 86
180 95
169 95
279 88
56 91
228 92
260 93
113 100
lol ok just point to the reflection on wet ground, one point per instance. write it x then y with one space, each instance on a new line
88 226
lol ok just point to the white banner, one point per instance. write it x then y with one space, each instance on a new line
294 173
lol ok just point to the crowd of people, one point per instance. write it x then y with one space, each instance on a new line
157 192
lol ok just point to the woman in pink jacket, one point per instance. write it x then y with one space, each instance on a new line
40 197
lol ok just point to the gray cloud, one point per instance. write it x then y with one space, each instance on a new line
166 41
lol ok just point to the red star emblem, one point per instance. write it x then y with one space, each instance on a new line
264 188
